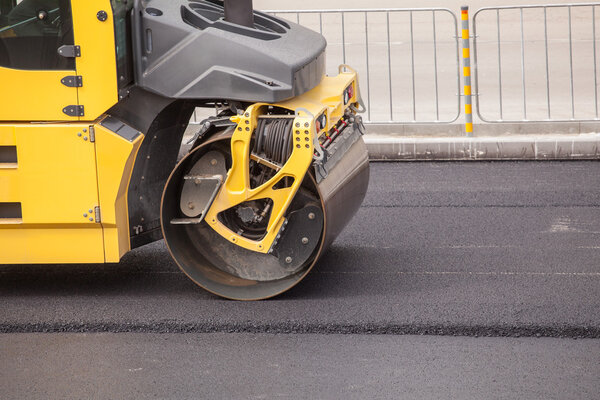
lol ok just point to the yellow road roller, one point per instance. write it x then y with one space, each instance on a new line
96 98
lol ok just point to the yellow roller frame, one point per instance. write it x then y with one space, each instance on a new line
237 190
326 97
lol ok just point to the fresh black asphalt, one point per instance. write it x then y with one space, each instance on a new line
472 249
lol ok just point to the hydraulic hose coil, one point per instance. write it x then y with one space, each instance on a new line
274 139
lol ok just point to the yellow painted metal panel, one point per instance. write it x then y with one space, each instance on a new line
97 64
55 182
35 95
7 135
115 158
29 245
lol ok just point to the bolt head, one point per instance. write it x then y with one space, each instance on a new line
84 215
311 216
213 162
102 15
304 240
288 260
191 205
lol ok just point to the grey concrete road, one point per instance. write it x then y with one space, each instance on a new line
438 249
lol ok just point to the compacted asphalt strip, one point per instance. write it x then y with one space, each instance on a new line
470 249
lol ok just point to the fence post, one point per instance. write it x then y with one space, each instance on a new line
464 16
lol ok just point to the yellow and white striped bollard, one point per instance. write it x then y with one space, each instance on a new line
464 16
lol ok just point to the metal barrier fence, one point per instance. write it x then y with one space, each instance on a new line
530 63
407 59
542 70
411 86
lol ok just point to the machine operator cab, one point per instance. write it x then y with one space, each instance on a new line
57 54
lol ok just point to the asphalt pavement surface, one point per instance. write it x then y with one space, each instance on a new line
451 251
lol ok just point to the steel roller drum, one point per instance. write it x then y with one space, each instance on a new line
233 272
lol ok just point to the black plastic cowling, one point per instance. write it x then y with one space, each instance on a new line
190 50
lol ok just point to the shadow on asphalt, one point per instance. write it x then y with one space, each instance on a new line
150 271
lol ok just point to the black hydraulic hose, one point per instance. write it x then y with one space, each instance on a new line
259 138
291 133
277 144
281 141
288 139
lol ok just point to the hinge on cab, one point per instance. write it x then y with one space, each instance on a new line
92 134
74 111
69 51
97 213
72 81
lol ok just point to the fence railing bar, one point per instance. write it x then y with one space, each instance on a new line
298 18
571 66
412 65
435 68
499 65
595 65
320 23
389 49
359 10
343 39
547 62
523 66
368 74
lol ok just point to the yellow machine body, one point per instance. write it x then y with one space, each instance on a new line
89 142
327 98
67 183
71 193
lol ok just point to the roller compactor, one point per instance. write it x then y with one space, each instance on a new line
97 96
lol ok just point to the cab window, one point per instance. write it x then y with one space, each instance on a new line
31 31
122 20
